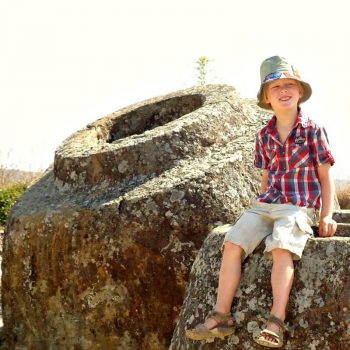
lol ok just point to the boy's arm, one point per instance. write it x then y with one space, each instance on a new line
264 179
327 226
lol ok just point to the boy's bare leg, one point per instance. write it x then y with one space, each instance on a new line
281 282
229 278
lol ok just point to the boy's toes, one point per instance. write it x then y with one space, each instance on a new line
270 339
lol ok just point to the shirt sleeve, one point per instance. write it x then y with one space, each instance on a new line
261 159
322 150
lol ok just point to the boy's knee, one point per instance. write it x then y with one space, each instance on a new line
280 253
233 249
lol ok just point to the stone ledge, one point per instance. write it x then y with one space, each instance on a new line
342 215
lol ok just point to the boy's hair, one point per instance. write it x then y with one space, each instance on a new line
264 93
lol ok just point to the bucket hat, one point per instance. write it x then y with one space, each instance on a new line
277 67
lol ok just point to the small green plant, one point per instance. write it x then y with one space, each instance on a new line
202 69
8 198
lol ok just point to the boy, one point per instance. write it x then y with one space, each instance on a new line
295 159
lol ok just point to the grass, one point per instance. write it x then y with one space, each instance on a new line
14 177
343 193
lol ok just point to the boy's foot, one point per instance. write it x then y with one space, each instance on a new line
272 335
216 325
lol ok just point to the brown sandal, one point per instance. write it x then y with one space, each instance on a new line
221 330
278 337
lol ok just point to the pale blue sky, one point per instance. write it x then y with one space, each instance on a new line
66 63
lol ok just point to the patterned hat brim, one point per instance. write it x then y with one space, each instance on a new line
284 75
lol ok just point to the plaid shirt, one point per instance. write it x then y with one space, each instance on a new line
292 166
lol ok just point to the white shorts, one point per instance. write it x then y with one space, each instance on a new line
284 226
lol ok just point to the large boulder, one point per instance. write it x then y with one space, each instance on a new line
97 253
319 305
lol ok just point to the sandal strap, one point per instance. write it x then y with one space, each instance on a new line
220 317
277 321
273 334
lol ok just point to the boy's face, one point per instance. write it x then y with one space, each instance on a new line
283 94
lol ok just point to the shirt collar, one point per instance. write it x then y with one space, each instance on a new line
301 119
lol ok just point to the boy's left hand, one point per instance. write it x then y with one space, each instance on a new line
327 227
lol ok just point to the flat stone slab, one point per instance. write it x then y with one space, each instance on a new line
342 216
343 230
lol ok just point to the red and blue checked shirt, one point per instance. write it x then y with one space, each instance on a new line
292 166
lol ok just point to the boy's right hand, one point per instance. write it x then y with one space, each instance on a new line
327 226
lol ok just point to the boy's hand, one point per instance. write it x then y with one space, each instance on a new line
327 226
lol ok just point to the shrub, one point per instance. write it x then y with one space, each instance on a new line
8 198
343 194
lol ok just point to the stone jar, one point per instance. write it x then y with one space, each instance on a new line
97 253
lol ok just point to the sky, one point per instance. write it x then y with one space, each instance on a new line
64 64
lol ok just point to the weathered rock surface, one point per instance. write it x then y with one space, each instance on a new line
319 307
342 216
97 253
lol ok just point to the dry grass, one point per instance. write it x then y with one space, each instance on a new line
343 194
13 177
